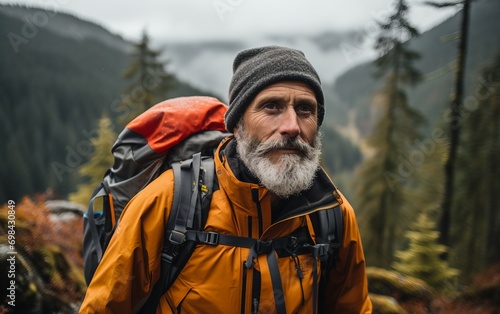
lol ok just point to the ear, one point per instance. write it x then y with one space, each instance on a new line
236 131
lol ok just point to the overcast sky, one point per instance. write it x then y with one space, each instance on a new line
207 19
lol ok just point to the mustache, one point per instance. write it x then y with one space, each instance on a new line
302 147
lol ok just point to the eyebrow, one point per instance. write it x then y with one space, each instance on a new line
277 99
267 99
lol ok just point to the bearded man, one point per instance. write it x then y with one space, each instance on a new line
270 183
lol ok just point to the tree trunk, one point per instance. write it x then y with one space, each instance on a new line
455 125
493 239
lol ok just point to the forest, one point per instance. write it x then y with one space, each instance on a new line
418 158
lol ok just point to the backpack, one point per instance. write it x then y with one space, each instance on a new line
165 134
181 134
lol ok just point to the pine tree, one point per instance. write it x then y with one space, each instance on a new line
381 188
99 162
423 259
150 81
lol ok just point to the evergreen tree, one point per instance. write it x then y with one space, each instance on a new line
381 189
150 81
99 162
475 220
423 259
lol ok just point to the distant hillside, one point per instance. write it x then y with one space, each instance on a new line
58 74
438 49
65 25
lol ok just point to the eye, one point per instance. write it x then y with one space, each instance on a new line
271 106
305 109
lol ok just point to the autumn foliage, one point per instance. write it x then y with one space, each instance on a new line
44 229
49 262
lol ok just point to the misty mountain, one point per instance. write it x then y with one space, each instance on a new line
64 25
208 63
438 50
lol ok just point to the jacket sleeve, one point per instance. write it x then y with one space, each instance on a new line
130 266
347 287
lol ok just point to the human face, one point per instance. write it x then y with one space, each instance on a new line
281 111
281 157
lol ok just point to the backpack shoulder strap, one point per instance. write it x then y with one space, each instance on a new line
329 228
193 188
99 222
328 225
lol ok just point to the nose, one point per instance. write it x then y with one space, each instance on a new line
289 124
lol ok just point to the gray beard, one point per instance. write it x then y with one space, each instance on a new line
292 174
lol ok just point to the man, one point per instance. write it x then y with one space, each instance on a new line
270 184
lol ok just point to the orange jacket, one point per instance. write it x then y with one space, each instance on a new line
214 280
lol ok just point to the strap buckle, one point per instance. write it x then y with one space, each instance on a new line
264 246
209 237
320 250
167 257
176 237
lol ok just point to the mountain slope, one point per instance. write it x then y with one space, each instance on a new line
64 25
53 88
438 49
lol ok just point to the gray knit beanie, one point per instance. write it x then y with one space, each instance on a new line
256 68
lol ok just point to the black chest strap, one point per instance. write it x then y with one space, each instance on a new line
285 246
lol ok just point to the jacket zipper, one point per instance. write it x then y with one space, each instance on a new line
256 291
255 297
244 289
255 306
